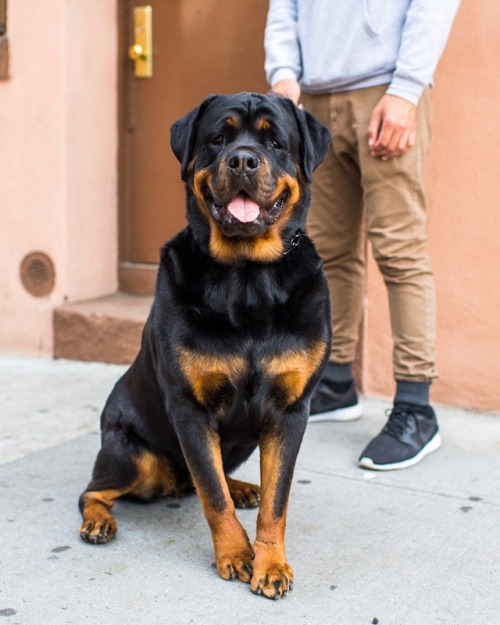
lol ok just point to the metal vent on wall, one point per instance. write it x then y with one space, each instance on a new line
38 274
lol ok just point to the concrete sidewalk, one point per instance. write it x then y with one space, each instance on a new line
415 547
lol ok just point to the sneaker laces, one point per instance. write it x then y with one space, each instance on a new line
398 420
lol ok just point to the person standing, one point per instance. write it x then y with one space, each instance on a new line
365 70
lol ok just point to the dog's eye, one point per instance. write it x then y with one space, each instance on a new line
217 140
275 144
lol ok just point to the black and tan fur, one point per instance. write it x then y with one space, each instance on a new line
235 342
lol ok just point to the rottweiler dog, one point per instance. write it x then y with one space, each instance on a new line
236 340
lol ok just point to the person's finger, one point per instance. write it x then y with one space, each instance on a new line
374 127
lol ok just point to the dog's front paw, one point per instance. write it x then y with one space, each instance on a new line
272 575
236 566
233 551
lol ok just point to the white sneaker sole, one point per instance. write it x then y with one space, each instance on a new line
433 445
349 413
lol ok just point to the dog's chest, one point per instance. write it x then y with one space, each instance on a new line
248 335
255 353
219 380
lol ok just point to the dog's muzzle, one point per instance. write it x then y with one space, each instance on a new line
241 194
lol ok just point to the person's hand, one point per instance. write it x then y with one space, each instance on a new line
392 127
288 89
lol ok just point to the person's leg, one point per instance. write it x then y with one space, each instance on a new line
395 208
335 225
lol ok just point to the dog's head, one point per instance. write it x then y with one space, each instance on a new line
247 161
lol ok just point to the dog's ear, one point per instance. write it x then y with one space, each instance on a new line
183 134
315 140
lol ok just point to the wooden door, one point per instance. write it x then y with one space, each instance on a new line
200 47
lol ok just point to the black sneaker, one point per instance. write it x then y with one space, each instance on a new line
329 404
408 436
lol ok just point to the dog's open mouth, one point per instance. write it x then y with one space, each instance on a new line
244 210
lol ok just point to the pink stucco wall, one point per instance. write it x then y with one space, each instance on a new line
58 142
464 222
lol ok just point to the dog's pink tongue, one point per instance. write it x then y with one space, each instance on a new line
244 209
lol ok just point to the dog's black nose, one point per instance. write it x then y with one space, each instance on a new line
243 162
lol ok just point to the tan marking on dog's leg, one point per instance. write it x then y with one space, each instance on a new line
99 526
233 552
156 477
272 575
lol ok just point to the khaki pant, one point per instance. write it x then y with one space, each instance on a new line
355 195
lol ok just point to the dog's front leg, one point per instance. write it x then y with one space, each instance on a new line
279 446
233 551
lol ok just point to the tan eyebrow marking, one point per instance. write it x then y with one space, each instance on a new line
233 122
264 124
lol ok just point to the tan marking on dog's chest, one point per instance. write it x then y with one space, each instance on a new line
207 373
292 370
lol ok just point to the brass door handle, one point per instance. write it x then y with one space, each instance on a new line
136 52
141 51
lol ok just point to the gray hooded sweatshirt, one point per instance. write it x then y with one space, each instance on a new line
339 45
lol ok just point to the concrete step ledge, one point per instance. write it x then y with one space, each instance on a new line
107 329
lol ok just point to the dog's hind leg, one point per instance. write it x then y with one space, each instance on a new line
117 474
243 494
99 525
113 476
